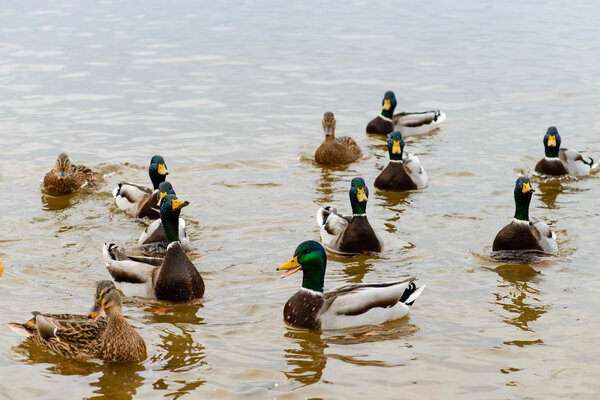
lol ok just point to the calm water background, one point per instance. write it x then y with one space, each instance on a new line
232 94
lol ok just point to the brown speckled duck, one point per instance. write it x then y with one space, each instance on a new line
401 173
65 178
335 151
140 201
561 161
71 335
173 278
409 123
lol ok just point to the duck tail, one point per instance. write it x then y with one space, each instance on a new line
322 214
439 116
411 293
117 190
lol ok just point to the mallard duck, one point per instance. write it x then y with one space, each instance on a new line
66 178
561 161
521 233
349 234
88 336
334 151
140 201
344 306
173 278
409 123
401 173
154 234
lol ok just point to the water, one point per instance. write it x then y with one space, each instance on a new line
232 94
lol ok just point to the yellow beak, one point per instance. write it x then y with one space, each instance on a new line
551 140
527 188
386 104
177 204
162 169
161 195
291 266
360 195
396 149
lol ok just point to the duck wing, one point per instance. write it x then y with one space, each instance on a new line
575 163
129 196
69 328
413 168
124 268
544 235
332 225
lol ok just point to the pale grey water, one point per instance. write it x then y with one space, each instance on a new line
232 94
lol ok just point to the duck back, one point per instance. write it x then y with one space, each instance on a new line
380 125
550 167
359 237
178 279
338 151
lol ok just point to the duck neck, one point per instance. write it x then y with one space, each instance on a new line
170 224
156 178
359 208
522 201
314 275
388 114
551 151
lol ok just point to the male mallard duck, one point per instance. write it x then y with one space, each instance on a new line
173 278
86 336
561 161
349 234
140 201
65 178
409 123
521 233
344 306
154 234
401 174
334 150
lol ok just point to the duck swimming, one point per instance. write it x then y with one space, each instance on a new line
344 306
335 151
409 123
561 161
65 178
523 233
401 173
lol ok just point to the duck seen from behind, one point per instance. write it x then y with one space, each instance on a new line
401 173
140 201
409 123
561 161
88 336
349 234
523 233
173 278
344 306
336 151
65 178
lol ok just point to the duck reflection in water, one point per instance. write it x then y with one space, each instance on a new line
518 294
308 361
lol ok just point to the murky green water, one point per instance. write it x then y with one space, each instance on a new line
232 95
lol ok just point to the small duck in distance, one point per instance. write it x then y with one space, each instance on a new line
409 123
561 161
401 173
336 151
65 178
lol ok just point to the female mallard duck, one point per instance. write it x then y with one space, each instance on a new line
409 123
347 234
173 278
344 306
521 233
401 174
561 161
334 151
65 178
71 335
140 201
154 235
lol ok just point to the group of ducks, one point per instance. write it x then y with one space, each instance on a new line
174 277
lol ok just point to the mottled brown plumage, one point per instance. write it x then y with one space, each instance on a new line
65 178
71 335
335 151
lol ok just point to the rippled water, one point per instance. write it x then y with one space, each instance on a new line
231 94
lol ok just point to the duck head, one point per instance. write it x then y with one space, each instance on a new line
359 195
157 170
170 208
309 257
107 299
523 193
388 104
552 142
396 146
62 166
328 125
164 189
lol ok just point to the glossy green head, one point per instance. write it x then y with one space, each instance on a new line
552 142
395 146
157 170
164 189
170 208
388 104
523 193
309 257
359 195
